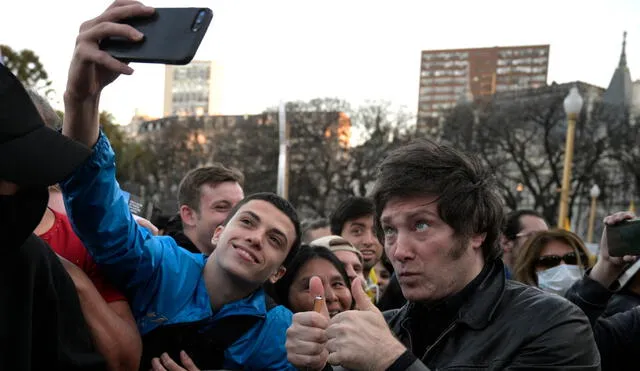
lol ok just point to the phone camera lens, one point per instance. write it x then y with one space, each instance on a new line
198 22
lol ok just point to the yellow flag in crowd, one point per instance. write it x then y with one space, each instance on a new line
567 224
632 206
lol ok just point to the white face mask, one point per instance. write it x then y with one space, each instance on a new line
559 279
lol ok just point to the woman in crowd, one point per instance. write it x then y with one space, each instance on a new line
552 260
292 290
384 270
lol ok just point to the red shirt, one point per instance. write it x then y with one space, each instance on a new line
65 243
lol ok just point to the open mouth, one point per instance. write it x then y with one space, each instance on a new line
368 254
246 254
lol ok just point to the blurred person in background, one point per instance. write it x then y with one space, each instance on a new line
518 226
314 229
353 219
552 260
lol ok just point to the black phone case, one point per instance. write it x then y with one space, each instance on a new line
624 238
168 37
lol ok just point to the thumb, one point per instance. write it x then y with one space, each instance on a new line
363 301
316 290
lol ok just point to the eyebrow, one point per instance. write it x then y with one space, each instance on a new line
419 211
274 230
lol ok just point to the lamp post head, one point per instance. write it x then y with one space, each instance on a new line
573 102
595 191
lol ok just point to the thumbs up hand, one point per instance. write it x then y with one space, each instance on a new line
306 337
361 339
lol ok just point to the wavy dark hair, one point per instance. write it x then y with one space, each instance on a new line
465 193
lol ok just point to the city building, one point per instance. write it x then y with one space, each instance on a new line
332 126
448 76
193 89
620 90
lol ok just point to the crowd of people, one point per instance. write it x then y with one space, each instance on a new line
426 272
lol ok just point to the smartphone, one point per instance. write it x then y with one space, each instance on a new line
171 36
624 238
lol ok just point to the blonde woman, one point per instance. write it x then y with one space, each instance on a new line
552 260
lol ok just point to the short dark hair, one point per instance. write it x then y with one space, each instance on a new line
350 209
189 191
512 225
307 253
282 205
466 196
311 225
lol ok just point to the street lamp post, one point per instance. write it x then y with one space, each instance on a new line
594 193
572 106
519 189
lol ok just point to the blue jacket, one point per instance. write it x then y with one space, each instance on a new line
163 282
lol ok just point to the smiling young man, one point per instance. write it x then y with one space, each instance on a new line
206 195
353 220
441 215
212 307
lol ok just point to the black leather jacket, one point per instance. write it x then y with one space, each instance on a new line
617 336
507 325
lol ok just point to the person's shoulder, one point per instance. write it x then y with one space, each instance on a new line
279 316
519 297
171 250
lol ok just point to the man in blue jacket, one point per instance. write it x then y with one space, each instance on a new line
181 300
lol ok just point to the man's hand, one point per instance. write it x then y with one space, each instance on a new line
91 68
146 224
165 363
306 338
609 268
361 339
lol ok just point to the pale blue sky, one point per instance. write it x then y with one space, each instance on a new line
356 50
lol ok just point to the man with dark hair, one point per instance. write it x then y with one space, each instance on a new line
314 229
441 217
205 197
353 220
213 308
518 226
43 327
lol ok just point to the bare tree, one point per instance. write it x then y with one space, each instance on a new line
523 141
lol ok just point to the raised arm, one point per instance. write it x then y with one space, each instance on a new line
92 69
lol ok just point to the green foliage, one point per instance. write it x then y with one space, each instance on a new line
26 65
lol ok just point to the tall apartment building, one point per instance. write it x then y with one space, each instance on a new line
447 76
193 89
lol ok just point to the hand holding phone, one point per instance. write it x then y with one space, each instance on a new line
171 36
623 238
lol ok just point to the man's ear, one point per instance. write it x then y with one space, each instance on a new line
477 240
216 235
279 273
188 215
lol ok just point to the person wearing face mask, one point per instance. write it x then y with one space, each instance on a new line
552 260
43 326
